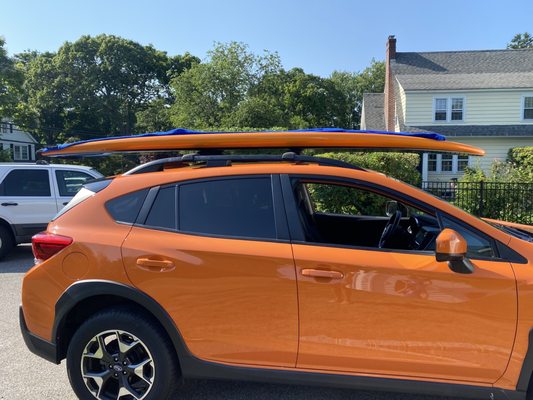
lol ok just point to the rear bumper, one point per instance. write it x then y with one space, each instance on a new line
38 346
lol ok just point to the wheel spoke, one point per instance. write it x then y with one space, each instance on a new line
123 346
138 370
126 389
99 378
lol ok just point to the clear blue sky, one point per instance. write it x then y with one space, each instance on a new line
319 36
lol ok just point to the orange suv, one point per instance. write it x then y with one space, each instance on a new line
280 268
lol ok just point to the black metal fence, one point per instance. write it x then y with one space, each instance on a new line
499 200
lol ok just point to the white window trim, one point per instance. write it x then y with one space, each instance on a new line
523 107
455 164
449 109
18 157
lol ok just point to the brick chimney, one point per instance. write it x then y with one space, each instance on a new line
389 84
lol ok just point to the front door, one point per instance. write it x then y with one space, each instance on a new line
395 310
211 253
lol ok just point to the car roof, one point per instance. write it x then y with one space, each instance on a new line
179 139
43 165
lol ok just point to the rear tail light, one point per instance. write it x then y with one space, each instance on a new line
45 245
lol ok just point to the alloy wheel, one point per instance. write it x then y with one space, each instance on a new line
116 365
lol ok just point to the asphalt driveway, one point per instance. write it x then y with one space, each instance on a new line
25 376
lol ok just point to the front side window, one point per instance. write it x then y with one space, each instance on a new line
342 214
26 182
478 246
230 207
70 182
528 107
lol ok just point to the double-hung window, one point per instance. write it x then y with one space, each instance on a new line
20 153
528 108
448 109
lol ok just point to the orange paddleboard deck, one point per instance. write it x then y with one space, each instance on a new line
180 139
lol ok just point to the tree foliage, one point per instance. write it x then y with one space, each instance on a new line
11 79
521 41
235 88
338 199
94 86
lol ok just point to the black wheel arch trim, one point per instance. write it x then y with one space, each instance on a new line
193 367
83 290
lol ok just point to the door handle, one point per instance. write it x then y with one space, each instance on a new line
65 203
10 204
152 265
322 273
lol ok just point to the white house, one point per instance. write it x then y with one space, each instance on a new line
483 98
21 144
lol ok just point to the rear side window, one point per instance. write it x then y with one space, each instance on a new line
26 182
126 208
70 182
229 207
163 211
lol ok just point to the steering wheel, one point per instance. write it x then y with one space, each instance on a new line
390 228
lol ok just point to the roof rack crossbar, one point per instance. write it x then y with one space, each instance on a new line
227 159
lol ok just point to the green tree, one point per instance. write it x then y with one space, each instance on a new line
10 82
209 93
354 85
94 86
521 41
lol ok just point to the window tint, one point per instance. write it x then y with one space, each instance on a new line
126 208
477 245
163 211
26 182
233 207
70 182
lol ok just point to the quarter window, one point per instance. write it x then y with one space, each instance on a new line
126 208
230 207
26 182
528 107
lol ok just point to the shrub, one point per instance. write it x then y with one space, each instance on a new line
504 192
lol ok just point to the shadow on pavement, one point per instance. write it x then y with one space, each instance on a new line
19 260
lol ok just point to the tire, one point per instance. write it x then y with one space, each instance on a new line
6 241
136 356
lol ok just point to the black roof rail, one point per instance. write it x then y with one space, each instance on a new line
227 159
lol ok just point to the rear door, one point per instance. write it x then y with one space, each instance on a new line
27 199
215 254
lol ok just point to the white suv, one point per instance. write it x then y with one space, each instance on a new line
31 194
